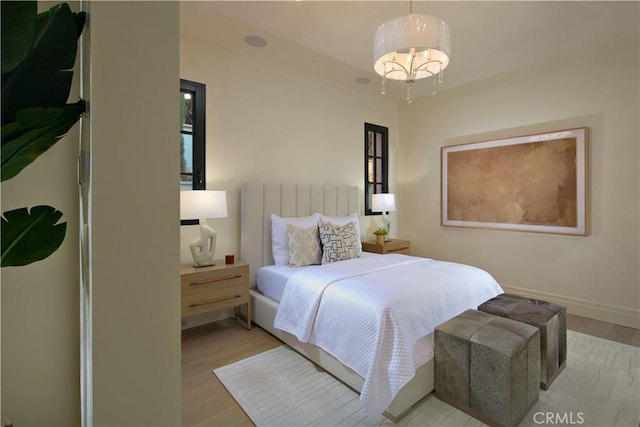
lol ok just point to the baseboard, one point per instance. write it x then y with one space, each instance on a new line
604 312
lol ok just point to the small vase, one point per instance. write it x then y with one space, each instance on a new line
380 239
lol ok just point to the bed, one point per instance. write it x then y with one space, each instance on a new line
398 371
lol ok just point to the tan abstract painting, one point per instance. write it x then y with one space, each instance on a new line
533 183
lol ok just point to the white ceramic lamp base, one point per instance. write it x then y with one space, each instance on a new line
203 248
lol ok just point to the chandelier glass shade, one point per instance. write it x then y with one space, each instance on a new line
410 48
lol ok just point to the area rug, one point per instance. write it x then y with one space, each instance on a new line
598 387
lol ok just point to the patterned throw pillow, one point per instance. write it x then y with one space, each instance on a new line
344 220
304 246
339 243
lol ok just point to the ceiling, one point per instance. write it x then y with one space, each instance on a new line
335 38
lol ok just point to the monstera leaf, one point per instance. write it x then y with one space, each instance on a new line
36 130
18 27
38 51
30 236
36 69
38 54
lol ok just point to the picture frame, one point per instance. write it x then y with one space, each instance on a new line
532 183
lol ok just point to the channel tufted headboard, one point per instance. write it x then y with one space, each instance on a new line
260 200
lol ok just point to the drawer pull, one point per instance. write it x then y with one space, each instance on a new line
215 300
219 279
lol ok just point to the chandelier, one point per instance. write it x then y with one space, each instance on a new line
410 48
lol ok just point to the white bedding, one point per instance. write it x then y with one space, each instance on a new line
272 279
377 314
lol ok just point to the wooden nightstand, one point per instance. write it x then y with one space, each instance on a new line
206 289
393 246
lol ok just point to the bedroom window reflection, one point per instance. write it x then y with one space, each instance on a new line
376 154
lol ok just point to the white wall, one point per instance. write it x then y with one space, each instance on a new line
40 326
269 123
595 276
260 114
135 217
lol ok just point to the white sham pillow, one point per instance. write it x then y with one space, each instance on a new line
304 246
280 238
344 220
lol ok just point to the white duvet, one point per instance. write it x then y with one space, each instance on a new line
377 314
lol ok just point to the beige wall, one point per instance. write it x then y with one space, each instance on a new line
597 275
270 123
40 337
134 127
260 113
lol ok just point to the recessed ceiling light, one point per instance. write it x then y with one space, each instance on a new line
362 80
255 41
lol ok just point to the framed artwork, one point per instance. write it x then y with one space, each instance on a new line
531 183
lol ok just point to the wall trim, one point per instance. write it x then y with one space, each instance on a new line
604 312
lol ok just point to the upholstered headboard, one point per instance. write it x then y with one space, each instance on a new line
259 201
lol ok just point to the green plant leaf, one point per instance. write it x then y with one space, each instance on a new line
28 237
56 38
41 80
32 88
35 131
18 27
29 119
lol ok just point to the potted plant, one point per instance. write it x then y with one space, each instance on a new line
38 54
380 235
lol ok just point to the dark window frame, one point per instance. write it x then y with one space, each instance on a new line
374 154
198 92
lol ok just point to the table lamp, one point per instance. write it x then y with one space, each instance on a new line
202 204
385 203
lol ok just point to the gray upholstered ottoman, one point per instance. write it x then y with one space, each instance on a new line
488 366
550 318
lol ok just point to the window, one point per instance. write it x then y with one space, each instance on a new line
192 135
376 159
192 138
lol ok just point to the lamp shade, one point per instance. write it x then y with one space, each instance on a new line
383 202
411 47
201 204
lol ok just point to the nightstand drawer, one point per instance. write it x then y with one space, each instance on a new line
221 296
211 279
394 246
215 287
405 251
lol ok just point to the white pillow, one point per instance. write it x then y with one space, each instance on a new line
339 243
304 246
280 238
344 220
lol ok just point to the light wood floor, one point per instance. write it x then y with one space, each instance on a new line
205 401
